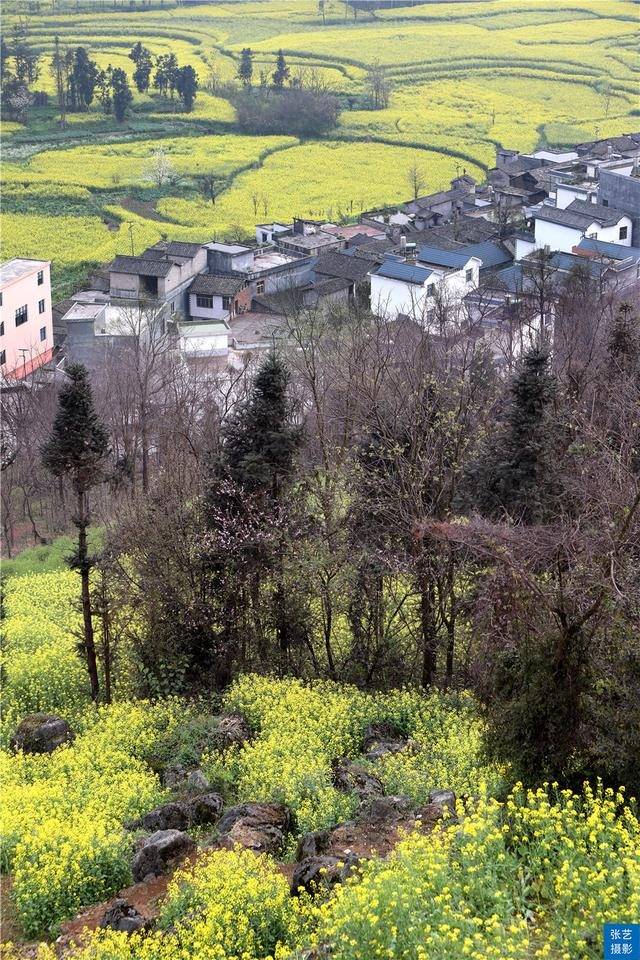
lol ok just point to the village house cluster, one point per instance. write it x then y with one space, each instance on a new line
471 251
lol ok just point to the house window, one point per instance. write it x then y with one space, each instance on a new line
43 334
3 358
605 203
623 233
205 302
593 236
40 277
0 299
431 289
259 286
226 303
265 237
1 328
40 306
468 275
21 315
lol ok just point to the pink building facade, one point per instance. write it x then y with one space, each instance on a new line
26 320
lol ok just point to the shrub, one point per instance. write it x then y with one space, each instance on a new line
298 112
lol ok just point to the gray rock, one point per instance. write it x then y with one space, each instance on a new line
312 844
387 808
205 808
233 729
197 782
352 778
170 816
123 917
314 872
446 798
41 733
181 814
257 826
158 851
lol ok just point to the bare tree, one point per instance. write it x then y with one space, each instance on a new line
416 180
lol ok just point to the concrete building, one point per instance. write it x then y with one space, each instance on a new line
163 273
213 297
622 191
562 229
416 289
26 323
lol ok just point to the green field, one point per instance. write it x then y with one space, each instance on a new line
466 77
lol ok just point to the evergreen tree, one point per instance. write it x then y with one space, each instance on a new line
516 473
141 56
103 86
187 86
83 78
77 449
245 68
166 74
122 95
260 442
282 72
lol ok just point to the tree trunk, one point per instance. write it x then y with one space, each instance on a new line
428 629
85 566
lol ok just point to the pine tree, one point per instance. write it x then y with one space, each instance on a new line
516 473
260 442
77 449
282 72
187 86
245 68
122 95
141 56
82 79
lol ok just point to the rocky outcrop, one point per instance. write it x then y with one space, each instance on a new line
384 809
159 852
232 730
353 778
194 811
41 733
321 871
312 844
123 917
383 738
442 804
257 826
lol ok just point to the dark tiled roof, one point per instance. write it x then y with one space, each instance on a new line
323 287
336 264
443 258
407 272
141 267
211 285
491 254
607 216
176 248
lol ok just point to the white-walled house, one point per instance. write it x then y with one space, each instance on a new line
218 297
414 289
563 229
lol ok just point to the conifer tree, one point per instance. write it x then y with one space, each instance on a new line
122 95
516 472
77 449
187 86
245 67
281 73
141 56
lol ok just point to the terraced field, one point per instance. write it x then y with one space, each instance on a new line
465 76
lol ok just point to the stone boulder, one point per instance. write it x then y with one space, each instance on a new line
384 809
382 738
350 777
232 730
442 804
123 917
176 776
312 844
41 733
159 851
181 814
257 826
322 871
445 798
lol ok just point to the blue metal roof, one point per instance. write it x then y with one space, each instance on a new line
490 253
615 251
408 272
443 258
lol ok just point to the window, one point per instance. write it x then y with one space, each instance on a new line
3 358
605 203
40 306
0 299
205 302
468 275
40 277
226 303
265 237
43 334
623 233
593 236
259 286
431 289
21 315
1 328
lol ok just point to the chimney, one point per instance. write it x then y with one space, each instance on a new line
403 243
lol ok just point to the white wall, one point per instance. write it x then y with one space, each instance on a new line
391 297
556 237
612 234
566 194
217 312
